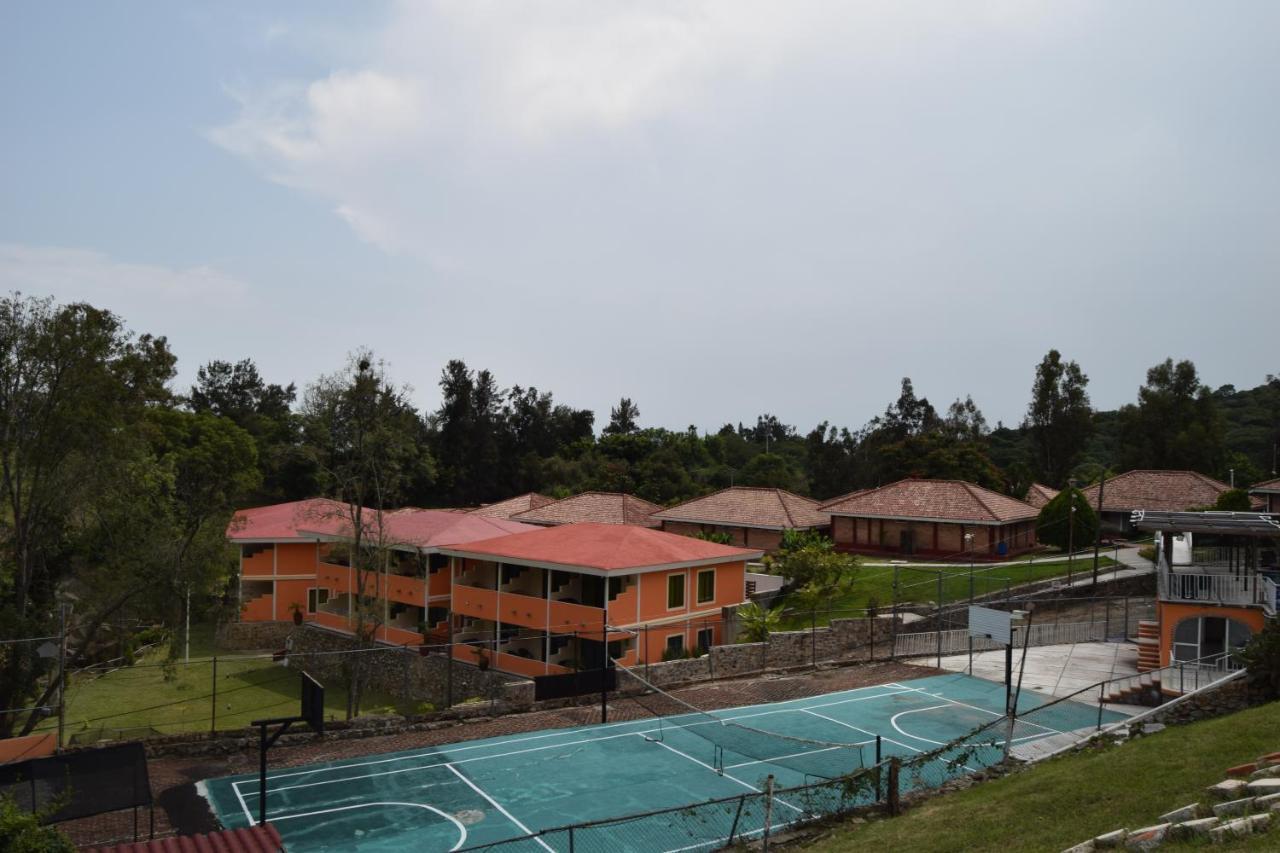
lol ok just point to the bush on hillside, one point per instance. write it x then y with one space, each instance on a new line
21 832
1233 500
1054 527
1262 658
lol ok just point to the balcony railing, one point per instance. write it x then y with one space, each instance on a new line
1246 590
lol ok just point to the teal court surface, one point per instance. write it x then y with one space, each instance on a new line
481 792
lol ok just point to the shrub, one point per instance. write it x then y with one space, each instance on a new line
1233 500
21 832
1054 526
669 654
757 622
1262 658
717 536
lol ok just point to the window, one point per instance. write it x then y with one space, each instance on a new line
704 639
706 586
316 596
675 592
1201 637
675 643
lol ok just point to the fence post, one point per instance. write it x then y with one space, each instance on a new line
879 772
570 839
768 810
1101 698
646 652
733 830
895 767
813 637
213 703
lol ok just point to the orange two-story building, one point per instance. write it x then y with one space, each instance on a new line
543 602
296 557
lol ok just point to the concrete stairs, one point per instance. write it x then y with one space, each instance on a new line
1247 802
1148 641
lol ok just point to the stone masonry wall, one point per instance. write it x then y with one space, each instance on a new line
845 640
253 636
408 676
1227 699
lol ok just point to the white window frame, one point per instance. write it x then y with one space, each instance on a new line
711 638
684 590
666 643
313 598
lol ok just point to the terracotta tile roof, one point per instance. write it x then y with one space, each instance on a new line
604 547
942 500
511 506
749 506
283 521
603 507
429 528
262 838
1170 491
1268 486
1039 494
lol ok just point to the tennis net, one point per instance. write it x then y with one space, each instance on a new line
737 746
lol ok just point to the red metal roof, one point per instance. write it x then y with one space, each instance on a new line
749 506
605 547
943 500
1169 491
262 838
283 521
603 507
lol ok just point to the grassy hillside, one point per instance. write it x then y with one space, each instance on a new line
1065 800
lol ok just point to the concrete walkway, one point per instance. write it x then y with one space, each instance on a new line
1056 670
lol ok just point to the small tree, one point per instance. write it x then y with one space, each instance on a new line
757 622
21 832
1262 658
1056 527
1233 500
820 569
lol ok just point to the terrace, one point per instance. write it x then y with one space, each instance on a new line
1216 558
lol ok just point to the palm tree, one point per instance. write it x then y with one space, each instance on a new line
758 622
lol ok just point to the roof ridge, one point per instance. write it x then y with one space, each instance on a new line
969 487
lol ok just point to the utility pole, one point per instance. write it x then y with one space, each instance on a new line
62 672
187 650
1097 539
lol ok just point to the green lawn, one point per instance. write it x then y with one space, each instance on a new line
920 585
1065 800
151 697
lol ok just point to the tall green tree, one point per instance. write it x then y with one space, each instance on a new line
1175 423
1059 526
624 418
1059 417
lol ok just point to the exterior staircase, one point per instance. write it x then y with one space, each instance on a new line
1148 645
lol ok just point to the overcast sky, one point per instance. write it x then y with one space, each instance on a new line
715 208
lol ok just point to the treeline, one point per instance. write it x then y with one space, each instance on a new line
117 486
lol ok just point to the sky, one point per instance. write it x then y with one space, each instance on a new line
717 208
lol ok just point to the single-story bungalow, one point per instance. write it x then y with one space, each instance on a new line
598 507
751 517
948 519
1162 491
1039 494
1268 495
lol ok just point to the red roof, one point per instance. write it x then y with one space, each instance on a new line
749 506
426 528
261 838
932 500
511 506
604 547
283 521
1039 494
1268 486
602 507
1168 491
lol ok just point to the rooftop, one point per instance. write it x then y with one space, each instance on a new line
261 838
604 547
282 522
511 506
1239 523
601 507
1171 491
1268 486
749 506
1039 494
932 500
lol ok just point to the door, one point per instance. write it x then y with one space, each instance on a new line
906 542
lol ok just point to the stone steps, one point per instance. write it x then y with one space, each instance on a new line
1245 803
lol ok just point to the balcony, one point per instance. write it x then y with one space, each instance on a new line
406 590
333 577
1224 588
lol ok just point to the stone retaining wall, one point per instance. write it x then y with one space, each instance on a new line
844 640
253 636
1227 699
405 674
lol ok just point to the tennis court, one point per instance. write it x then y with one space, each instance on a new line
473 793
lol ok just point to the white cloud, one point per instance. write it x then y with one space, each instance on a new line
83 275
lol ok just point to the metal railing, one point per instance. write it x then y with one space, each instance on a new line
1245 589
1179 676
955 641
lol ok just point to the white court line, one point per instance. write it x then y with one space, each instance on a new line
562 732
780 757
747 785
882 737
893 721
509 816
243 805
976 708
462 830
251 784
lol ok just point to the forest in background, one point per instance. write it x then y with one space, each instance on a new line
117 486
